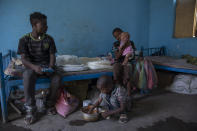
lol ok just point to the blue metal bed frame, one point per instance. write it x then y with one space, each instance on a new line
159 51
7 81
162 52
179 70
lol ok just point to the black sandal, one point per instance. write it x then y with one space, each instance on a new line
30 118
123 118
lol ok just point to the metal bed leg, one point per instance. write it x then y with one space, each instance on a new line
2 92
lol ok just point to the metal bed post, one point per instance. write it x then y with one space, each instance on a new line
142 49
2 92
9 58
10 55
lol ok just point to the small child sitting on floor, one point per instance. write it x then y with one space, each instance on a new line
111 99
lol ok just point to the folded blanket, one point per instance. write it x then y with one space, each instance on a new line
15 68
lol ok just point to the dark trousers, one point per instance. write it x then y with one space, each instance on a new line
29 81
122 73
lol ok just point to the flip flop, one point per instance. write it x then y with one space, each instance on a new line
123 118
29 119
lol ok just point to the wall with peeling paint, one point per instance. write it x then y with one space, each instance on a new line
79 27
162 16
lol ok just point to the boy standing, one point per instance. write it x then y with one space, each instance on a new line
122 69
37 50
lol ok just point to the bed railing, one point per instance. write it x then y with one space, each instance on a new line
4 62
6 82
159 51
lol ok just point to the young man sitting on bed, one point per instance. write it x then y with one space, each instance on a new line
37 50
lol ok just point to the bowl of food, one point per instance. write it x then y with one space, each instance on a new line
90 116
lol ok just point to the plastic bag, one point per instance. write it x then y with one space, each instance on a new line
66 103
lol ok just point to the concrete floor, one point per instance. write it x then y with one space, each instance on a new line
146 113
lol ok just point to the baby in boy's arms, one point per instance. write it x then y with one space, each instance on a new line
125 47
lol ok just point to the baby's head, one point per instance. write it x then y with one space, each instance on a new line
124 36
116 33
105 84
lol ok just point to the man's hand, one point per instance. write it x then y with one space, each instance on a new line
38 69
26 62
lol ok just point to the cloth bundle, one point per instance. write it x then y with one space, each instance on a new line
144 74
15 68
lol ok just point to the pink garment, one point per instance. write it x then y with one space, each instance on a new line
66 103
150 73
128 50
